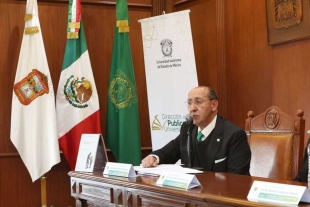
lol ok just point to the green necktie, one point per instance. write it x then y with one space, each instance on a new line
199 136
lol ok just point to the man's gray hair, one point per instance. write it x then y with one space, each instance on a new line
212 94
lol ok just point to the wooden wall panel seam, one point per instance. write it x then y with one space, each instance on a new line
4 155
182 2
221 58
158 7
91 3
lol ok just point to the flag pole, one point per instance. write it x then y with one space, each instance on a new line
43 191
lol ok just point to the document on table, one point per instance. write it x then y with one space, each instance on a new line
164 168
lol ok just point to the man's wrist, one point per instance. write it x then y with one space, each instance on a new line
156 157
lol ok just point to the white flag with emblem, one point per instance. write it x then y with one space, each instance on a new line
33 117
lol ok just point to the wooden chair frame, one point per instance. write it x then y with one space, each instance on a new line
274 121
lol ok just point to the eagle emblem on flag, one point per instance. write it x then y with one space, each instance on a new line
78 91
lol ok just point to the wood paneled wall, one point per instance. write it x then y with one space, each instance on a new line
16 188
232 56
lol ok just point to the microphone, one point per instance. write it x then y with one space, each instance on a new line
189 121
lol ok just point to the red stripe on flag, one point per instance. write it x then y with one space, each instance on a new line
69 143
78 12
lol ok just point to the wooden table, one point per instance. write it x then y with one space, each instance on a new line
218 190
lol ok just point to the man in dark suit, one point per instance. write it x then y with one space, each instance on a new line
302 175
223 146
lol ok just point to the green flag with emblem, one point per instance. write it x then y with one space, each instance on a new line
123 131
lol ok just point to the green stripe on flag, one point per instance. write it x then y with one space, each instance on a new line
74 49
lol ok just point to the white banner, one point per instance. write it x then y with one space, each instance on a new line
170 70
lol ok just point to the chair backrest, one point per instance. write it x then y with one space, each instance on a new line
276 140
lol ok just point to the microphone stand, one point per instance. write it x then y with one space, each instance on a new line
189 147
308 151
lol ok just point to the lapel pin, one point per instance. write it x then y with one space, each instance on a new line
218 140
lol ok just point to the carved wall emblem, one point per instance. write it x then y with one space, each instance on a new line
286 13
287 20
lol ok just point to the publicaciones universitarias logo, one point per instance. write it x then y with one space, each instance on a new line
171 123
156 125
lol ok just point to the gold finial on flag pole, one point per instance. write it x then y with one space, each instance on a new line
43 191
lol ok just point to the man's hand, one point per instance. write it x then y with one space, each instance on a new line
149 161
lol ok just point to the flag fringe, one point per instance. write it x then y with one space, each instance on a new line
123 29
72 35
28 17
122 26
31 30
121 23
74 25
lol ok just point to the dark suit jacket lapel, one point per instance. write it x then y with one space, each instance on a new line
215 142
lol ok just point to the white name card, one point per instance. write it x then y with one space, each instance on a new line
119 169
276 193
306 196
178 180
87 152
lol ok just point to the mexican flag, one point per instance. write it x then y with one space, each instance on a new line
33 116
77 102
123 130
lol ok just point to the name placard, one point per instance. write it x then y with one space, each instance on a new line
90 156
277 193
306 196
178 180
119 169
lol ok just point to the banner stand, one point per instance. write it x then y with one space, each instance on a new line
170 70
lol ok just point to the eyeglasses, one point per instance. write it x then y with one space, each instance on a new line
197 102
